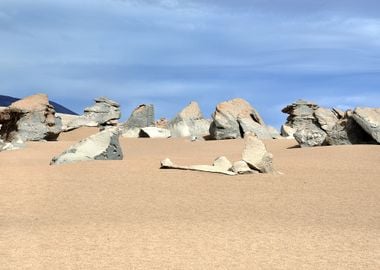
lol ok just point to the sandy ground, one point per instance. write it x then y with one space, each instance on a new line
323 213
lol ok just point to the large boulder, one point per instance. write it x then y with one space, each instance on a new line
189 122
232 119
326 118
30 119
141 117
369 120
100 146
256 155
310 137
105 112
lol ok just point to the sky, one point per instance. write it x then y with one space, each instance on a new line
170 52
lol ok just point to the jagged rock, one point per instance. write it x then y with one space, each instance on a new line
369 120
241 167
14 145
168 164
30 119
326 118
104 112
100 146
189 122
141 117
131 132
346 132
339 113
154 132
256 155
232 119
310 137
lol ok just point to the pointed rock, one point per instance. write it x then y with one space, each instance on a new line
189 122
223 163
256 155
241 167
101 146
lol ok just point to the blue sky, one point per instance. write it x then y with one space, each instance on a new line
170 52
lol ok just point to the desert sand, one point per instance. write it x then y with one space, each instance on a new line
323 212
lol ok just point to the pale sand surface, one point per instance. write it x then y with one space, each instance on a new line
323 213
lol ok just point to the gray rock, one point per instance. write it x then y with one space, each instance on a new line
141 117
255 154
326 118
154 132
101 146
232 119
30 119
369 120
104 112
347 132
189 122
287 131
310 137
168 164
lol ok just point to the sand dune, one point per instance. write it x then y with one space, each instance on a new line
323 213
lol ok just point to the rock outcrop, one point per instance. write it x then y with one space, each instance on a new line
232 119
105 112
29 119
189 122
100 146
369 120
313 126
256 155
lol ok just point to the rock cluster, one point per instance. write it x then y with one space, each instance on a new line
233 119
255 159
312 125
105 112
100 146
29 119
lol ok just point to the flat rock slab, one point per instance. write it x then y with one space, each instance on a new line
101 146
168 164
256 155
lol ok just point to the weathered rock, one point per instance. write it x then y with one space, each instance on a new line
141 117
162 123
30 119
232 119
310 137
347 132
131 132
14 145
154 132
339 113
256 155
326 118
168 164
189 122
104 112
222 163
241 167
369 120
101 146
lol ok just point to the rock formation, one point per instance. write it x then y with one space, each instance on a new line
100 146
313 126
29 119
141 117
232 119
189 122
105 112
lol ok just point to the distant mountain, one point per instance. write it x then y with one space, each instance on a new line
5 101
